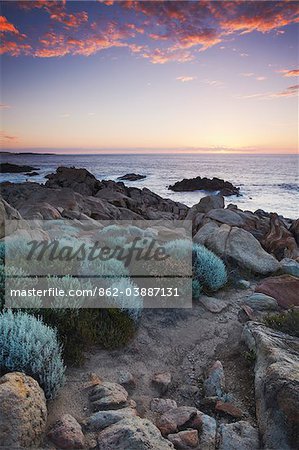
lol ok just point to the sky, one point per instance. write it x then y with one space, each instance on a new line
170 76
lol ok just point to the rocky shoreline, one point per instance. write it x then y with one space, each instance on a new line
168 388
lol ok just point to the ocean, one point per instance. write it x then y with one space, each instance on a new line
268 182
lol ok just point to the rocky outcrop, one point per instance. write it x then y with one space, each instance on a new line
279 241
15 168
23 411
132 433
80 180
67 433
132 177
225 188
276 385
294 229
283 288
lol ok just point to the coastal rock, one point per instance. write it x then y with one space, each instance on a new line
290 267
214 384
212 304
15 168
80 180
7 212
276 385
176 419
261 302
242 248
283 288
205 184
184 440
279 241
40 211
237 436
132 434
107 396
226 216
205 205
294 229
31 174
161 381
67 433
205 231
23 411
103 419
132 177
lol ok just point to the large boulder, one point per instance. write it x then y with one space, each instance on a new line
23 411
279 241
276 385
80 180
7 212
226 216
205 205
241 248
283 288
132 434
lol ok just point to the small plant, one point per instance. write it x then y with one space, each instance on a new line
126 298
28 345
179 248
208 269
286 322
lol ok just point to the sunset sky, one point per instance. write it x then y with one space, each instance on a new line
194 76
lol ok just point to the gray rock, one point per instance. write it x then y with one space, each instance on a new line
214 384
237 436
204 232
261 302
67 433
132 434
127 380
161 405
242 247
107 396
206 204
103 419
276 385
290 266
207 438
212 304
226 216
23 411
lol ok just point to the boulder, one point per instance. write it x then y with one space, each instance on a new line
176 419
23 411
107 396
290 267
103 419
226 216
132 434
205 184
7 212
67 433
161 381
279 241
206 231
283 288
207 439
214 384
15 168
205 205
229 409
261 302
132 177
237 436
242 248
276 385
184 440
294 229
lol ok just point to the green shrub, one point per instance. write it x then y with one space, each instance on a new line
126 300
196 289
28 345
208 268
286 322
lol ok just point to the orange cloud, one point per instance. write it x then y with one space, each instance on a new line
4 138
7 27
70 20
185 79
290 73
291 91
15 48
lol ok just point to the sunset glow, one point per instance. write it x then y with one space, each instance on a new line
194 76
